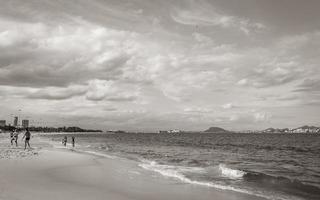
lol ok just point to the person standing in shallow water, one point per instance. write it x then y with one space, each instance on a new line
27 135
73 141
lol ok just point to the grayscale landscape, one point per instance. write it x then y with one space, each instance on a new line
159 99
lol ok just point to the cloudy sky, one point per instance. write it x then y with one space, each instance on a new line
163 64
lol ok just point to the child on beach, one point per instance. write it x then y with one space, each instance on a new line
26 135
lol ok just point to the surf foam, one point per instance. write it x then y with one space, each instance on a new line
231 173
176 172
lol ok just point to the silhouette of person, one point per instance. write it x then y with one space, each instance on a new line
27 135
65 139
11 136
73 141
15 137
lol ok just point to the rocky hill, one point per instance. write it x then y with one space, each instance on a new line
216 130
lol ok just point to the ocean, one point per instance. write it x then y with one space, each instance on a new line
274 166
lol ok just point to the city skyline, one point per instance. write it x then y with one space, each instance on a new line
142 66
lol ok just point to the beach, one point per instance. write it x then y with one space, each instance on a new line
51 172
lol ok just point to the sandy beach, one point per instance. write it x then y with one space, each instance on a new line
48 172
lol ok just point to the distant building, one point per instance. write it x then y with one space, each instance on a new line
25 123
163 131
15 122
170 131
174 131
2 123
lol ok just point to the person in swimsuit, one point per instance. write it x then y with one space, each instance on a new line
15 137
11 136
27 135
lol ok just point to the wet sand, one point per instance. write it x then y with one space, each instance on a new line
57 173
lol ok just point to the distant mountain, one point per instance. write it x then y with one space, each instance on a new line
216 130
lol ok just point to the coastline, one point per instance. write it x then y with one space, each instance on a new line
60 173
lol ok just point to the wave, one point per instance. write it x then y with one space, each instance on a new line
231 173
283 184
177 173
96 153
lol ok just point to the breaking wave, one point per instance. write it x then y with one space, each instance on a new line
231 173
177 172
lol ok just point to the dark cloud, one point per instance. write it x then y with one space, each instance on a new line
309 85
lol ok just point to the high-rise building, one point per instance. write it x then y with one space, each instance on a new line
15 122
25 123
2 123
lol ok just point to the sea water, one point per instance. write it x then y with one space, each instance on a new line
274 166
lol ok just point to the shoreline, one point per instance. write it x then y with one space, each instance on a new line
61 173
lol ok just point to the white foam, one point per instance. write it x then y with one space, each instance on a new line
231 173
97 154
171 171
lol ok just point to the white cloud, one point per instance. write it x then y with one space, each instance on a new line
201 13
261 116
53 93
201 38
197 110
109 90
242 82
227 106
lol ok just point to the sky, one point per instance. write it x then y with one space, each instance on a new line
149 65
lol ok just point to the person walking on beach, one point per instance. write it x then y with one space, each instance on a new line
15 137
73 141
64 141
11 137
26 135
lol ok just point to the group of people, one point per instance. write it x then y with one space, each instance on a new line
15 134
27 135
65 140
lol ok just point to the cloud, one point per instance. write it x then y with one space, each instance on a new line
261 116
250 117
201 38
227 106
192 18
99 90
242 82
268 71
154 65
197 110
62 54
12 92
309 85
201 13
53 93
